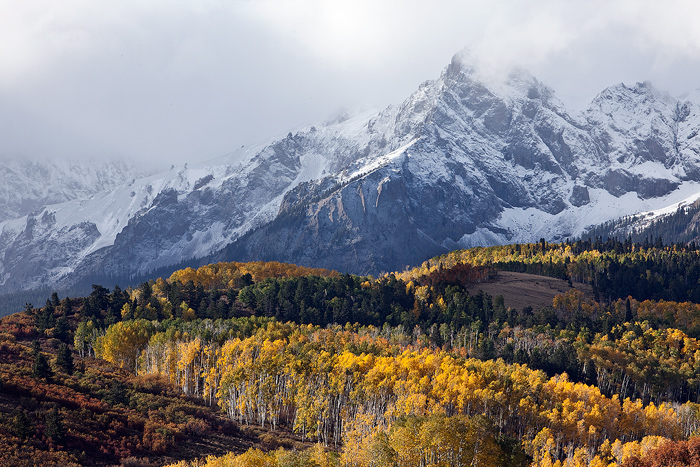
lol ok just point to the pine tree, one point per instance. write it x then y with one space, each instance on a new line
54 426
22 425
55 300
41 367
45 319
61 329
117 393
67 306
64 359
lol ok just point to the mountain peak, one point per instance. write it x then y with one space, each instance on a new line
641 95
506 83
465 61
475 157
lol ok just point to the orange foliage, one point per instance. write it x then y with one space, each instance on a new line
669 454
105 414
20 325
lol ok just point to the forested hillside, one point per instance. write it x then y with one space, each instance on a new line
680 226
283 365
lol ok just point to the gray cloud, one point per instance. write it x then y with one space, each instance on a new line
184 81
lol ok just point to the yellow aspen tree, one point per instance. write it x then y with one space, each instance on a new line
123 342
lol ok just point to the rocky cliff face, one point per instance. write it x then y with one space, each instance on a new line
462 162
491 164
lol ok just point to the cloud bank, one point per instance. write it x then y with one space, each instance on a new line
171 82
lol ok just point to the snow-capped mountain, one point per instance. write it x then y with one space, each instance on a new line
27 185
462 162
677 223
489 164
160 220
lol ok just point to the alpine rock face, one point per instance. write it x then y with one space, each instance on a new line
462 162
28 185
489 164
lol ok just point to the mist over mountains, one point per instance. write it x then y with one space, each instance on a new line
461 162
28 185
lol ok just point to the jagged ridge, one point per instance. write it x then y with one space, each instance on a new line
462 162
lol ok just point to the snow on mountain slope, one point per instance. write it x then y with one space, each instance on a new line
26 185
461 162
187 212
646 134
532 224
489 163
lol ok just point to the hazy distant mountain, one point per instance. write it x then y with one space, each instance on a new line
462 162
27 185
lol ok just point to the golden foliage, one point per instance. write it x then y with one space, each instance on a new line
228 275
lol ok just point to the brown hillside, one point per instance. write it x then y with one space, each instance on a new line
520 290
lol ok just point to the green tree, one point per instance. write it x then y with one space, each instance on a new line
628 311
64 359
22 424
62 329
67 305
117 393
55 300
45 318
54 426
41 367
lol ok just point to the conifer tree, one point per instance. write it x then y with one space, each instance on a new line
117 393
54 426
67 305
41 367
45 318
61 329
22 425
628 311
64 359
55 301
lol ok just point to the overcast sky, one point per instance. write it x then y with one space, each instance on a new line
187 80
